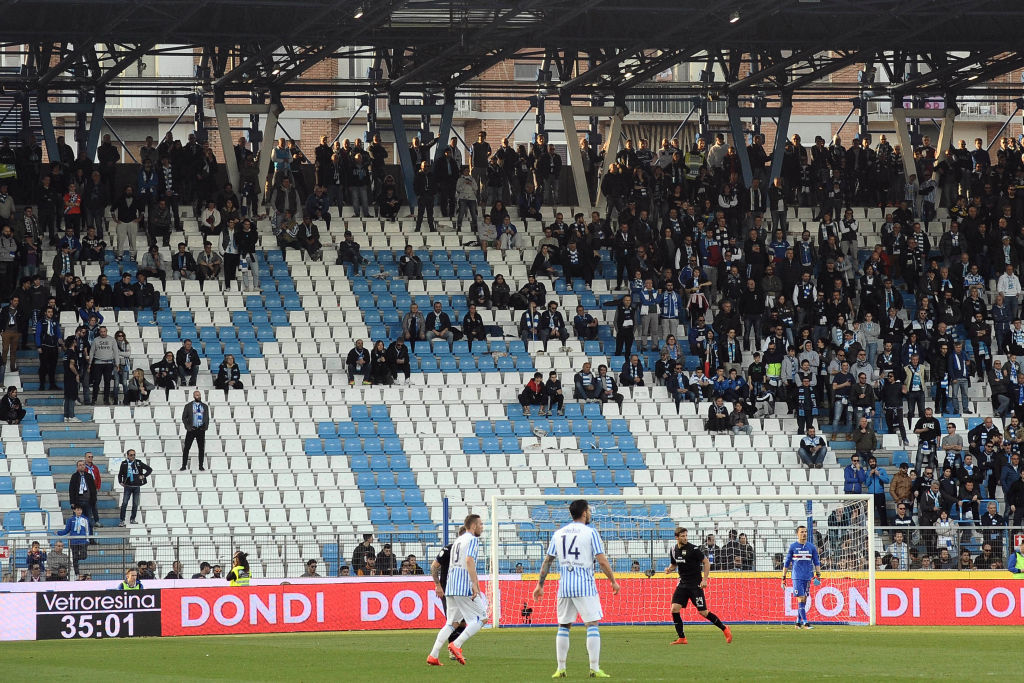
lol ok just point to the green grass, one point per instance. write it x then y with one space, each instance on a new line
627 654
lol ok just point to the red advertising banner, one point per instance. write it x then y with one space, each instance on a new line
362 604
372 604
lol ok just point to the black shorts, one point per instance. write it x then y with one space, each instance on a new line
684 594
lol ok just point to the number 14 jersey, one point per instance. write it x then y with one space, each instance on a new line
576 546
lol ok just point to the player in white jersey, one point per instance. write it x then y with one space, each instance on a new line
465 600
577 547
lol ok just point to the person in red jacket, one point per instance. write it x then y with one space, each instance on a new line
533 394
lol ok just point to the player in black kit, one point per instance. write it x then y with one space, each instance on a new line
439 570
694 569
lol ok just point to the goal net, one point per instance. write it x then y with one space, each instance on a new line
746 539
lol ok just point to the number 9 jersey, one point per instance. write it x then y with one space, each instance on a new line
576 546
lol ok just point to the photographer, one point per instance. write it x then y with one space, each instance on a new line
132 476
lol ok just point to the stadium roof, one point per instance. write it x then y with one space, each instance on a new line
605 47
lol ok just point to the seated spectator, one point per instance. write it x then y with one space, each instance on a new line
991 523
529 324
533 394
985 559
210 219
414 567
813 450
138 389
153 265
93 248
188 364
175 572
439 325
229 375
487 233
389 204
398 361
545 263
945 560
508 235
532 291
209 263
414 326
501 293
410 265
473 328
529 203
36 556
11 410
308 238
380 372
608 390
479 293
553 393
584 324
552 324
34 575
145 294
348 252
585 384
183 264
165 373
718 416
738 421
204 571
358 363
679 387
632 374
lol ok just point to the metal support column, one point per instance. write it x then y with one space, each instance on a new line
901 117
88 113
539 119
736 115
425 111
223 112
703 123
371 117
569 113
199 120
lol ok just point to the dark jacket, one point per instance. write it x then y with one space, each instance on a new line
133 476
74 485
187 417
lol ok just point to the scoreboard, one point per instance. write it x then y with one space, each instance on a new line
97 614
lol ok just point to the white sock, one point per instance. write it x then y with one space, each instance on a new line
594 647
471 628
442 639
562 646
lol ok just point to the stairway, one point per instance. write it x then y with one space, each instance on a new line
64 444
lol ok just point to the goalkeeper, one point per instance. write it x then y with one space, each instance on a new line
802 559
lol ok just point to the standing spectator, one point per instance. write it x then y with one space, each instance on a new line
901 488
362 551
57 560
175 573
72 378
132 475
1015 501
813 449
865 441
877 478
97 479
466 194
48 336
13 319
310 571
806 405
106 359
854 476
204 571
82 490
991 523
625 326
188 364
425 189
953 446
127 214
195 416
77 526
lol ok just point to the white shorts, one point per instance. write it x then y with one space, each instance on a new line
588 608
466 608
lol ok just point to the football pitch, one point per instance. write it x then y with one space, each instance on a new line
627 654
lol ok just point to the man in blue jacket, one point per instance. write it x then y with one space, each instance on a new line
876 482
78 528
854 476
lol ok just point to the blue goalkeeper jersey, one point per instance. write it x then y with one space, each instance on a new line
802 558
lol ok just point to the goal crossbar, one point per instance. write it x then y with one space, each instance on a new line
495 522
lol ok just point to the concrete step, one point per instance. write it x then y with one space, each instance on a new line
70 434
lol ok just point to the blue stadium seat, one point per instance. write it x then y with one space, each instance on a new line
373 498
392 497
314 447
29 503
12 521
490 444
379 413
346 429
399 463
392 445
359 463
359 413
379 463
470 445
333 447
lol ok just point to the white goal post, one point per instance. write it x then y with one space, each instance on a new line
751 534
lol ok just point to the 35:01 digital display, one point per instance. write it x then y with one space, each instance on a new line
97 614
